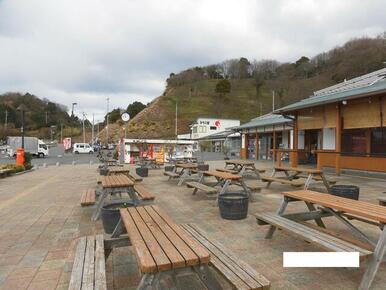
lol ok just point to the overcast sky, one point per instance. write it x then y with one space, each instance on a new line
86 50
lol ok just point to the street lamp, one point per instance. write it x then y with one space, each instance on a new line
22 108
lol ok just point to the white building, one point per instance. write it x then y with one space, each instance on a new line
207 126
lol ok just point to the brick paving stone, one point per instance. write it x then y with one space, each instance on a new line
44 284
47 275
16 284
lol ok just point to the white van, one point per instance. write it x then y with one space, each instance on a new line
82 148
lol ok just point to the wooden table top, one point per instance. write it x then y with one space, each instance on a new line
117 169
240 162
158 242
357 207
114 181
222 175
299 169
187 165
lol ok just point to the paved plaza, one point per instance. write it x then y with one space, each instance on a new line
41 219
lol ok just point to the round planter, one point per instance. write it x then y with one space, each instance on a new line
347 191
110 215
103 171
169 168
233 205
143 172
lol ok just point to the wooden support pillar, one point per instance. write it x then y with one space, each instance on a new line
274 144
338 139
244 146
257 147
295 139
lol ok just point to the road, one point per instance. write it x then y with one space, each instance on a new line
56 154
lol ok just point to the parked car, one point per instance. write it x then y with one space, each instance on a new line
82 148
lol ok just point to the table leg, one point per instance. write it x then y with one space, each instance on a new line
223 189
148 281
99 205
318 221
184 176
256 172
118 229
374 262
280 211
273 173
325 182
308 180
246 190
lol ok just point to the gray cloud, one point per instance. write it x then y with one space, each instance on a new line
86 50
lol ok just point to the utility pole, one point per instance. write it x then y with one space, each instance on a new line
273 101
107 122
176 120
92 131
61 132
84 131
72 110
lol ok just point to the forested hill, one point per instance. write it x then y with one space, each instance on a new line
41 114
252 83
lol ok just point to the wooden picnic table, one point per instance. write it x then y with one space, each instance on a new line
186 171
113 184
338 207
225 179
113 170
292 173
162 248
243 167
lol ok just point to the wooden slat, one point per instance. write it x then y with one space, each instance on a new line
145 260
222 175
294 182
190 257
299 169
77 268
159 256
201 252
201 186
177 261
357 207
100 268
230 268
143 192
324 240
89 266
239 162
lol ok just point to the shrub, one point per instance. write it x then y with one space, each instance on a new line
14 167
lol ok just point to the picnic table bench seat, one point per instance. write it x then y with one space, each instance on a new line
227 170
88 270
143 192
88 197
235 271
199 186
135 177
171 174
309 234
294 182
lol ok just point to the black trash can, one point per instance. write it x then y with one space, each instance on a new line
142 171
233 205
347 191
103 171
110 215
169 168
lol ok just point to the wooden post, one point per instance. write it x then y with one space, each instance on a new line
274 144
244 146
295 137
257 147
338 138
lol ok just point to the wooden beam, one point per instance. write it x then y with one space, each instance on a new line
338 138
295 137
